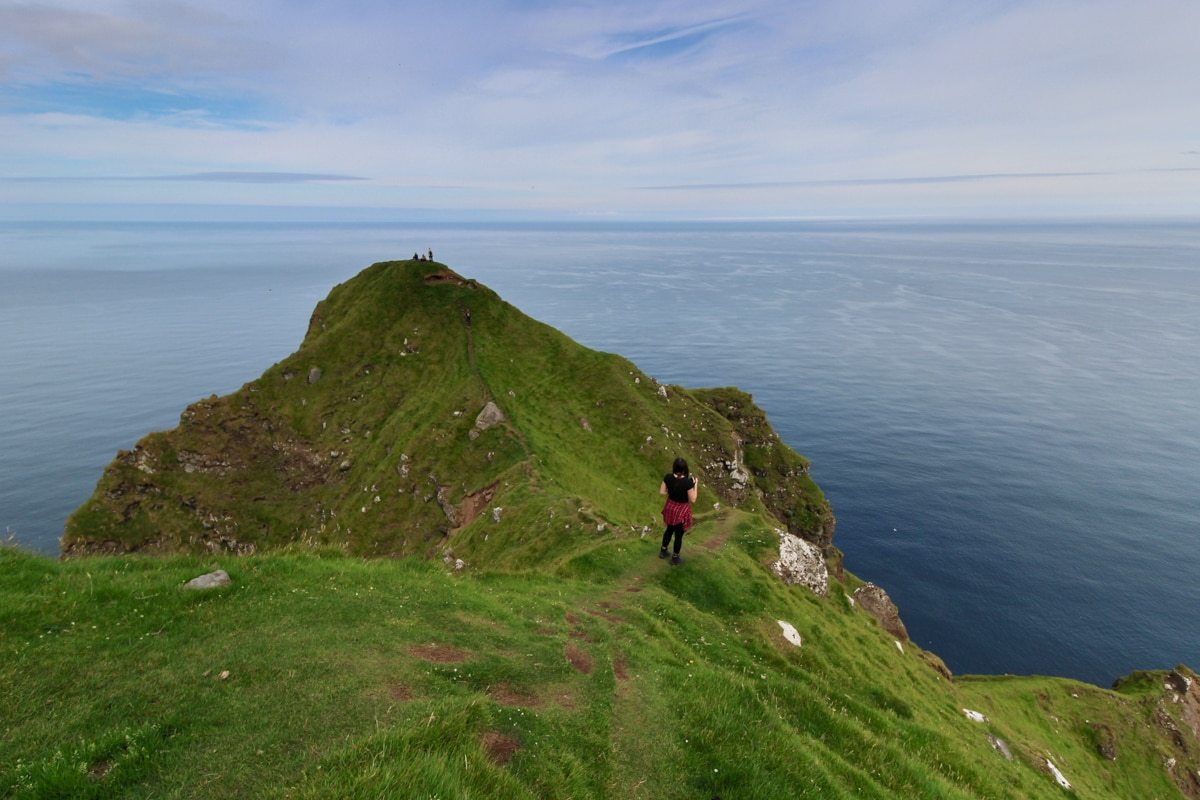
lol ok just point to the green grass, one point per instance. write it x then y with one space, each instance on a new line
112 681
565 660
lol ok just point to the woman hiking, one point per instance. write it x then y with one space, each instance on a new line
680 490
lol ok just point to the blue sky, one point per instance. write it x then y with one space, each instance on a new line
697 109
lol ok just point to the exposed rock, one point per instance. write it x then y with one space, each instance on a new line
1000 746
662 392
314 375
1106 742
496 512
489 416
936 664
1059 778
1176 681
345 465
459 564
877 603
583 423
974 716
789 632
801 563
209 581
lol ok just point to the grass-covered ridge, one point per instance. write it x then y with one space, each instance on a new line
325 675
366 439
563 661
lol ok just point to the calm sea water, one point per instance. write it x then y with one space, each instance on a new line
1005 417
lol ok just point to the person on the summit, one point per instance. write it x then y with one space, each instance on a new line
680 490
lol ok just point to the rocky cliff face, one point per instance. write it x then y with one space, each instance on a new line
417 401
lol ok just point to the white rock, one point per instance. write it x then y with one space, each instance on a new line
496 512
489 416
1058 776
974 716
459 564
899 647
801 563
209 581
789 632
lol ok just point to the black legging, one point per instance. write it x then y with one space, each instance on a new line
678 531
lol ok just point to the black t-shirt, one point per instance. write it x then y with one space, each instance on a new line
677 488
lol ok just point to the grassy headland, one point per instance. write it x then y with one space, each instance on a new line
561 660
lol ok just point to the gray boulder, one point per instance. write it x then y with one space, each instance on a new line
491 415
209 581
801 563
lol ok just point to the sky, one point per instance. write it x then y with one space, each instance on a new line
612 109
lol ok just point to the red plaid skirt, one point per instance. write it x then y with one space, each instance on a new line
675 513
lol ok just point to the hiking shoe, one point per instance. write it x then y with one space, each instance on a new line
675 559
662 553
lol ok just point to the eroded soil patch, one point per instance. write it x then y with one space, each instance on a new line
400 693
439 653
506 695
499 748
580 660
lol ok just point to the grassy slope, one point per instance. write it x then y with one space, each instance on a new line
682 685
334 689
368 457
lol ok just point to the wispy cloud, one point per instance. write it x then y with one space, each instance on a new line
605 107
204 177
911 180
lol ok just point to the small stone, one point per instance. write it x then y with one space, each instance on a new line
314 375
224 675
1000 746
583 423
900 647
496 512
974 716
209 581
459 564
1058 776
789 632
345 465
662 392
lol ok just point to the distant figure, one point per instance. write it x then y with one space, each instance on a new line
431 254
680 490
420 258
416 257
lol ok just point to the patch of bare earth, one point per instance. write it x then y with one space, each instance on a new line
400 693
506 695
99 770
602 615
620 669
718 540
580 660
572 619
439 653
499 748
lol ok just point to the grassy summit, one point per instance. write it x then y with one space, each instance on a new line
563 661
366 439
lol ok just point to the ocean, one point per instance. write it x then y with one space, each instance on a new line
1005 417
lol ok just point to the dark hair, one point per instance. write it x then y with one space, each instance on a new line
680 467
